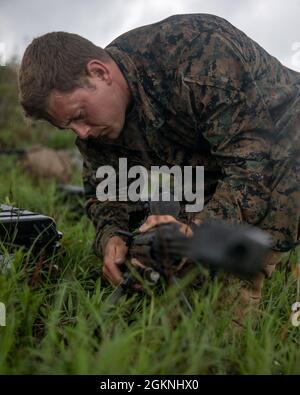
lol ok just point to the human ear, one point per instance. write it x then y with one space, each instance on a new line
96 69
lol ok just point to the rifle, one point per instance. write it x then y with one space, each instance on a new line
13 151
235 249
71 191
73 195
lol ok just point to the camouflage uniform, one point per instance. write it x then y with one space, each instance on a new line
206 94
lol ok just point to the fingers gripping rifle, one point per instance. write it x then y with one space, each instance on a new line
235 249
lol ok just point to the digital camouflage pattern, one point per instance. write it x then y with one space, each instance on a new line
206 94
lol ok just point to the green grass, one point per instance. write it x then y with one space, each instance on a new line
61 322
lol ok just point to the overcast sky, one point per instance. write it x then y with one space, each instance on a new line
274 24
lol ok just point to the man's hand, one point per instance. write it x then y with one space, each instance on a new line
154 220
114 256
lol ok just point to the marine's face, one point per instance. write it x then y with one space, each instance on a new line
95 110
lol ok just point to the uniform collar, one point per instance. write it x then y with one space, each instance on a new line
147 110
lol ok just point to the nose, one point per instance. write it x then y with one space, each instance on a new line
82 131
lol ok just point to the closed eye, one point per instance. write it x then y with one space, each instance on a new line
66 125
78 117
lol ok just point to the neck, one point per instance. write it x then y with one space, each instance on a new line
121 81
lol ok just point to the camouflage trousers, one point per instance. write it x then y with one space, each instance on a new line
240 298
244 297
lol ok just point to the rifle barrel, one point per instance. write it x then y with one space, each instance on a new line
12 151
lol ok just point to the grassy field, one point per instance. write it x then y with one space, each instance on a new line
61 322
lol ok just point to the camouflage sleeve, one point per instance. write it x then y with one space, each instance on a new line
234 120
107 217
